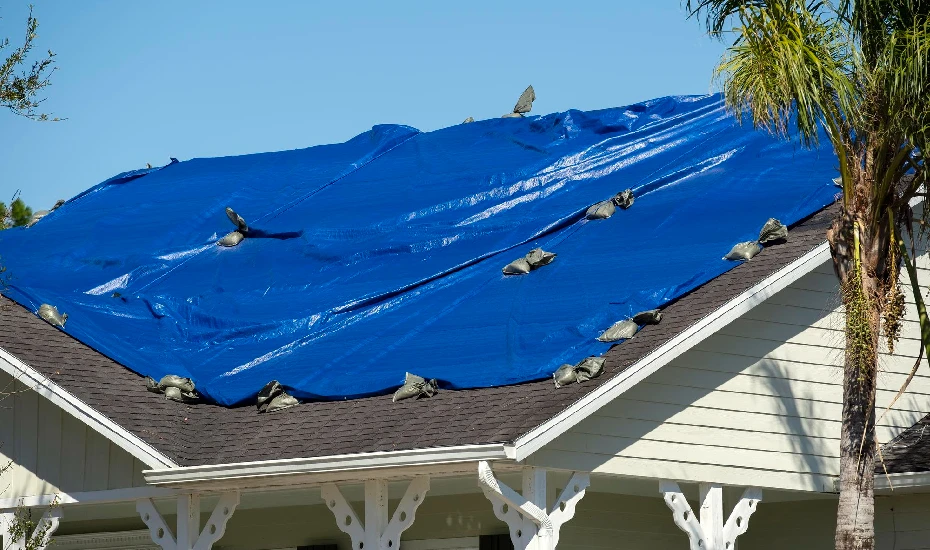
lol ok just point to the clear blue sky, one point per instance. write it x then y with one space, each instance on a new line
143 81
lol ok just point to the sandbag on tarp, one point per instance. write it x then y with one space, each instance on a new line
524 104
534 259
601 210
383 254
50 315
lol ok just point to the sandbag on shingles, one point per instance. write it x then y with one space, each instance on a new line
416 386
743 251
175 388
273 398
588 368
773 232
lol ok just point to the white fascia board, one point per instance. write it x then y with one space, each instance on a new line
535 439
327 464
48 389
909 480
130 494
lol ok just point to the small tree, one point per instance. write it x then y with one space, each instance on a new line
20 214
21 84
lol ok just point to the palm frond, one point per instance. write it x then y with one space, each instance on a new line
789 69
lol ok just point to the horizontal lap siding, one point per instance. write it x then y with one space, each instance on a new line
759 400
52 451
900 524
602 521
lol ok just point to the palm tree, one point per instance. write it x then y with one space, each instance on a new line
855 72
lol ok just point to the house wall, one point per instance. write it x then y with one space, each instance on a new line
602 521
758 403
52 451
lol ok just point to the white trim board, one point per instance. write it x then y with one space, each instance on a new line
902 482
48 389
130 494
539 436
320 465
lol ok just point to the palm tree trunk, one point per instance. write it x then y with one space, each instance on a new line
856 508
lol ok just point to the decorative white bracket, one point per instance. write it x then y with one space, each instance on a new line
709 532
532 525
189 534
47 524
376 532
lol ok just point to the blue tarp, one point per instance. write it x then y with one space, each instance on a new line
383 254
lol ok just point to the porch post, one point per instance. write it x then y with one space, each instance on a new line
533 525
189 534
709 532
376 532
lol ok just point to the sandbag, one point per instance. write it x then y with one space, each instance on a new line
175 388
621 330
42 213
525 103
517 267
36 217
152 385
649 317
512 115
588 368
601 210
773 231
534 259
231 239
538 257
416 386
624 199
175 381
50 315
177 394
273 398
467 120
237 220
564 375
743 251
282 401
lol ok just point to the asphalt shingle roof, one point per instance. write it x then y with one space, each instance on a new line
209 434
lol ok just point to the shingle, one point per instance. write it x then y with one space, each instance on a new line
208 434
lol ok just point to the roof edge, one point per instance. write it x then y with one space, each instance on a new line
327 464
533 440
68 402
905 480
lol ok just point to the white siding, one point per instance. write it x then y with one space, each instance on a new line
757 403
49 450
